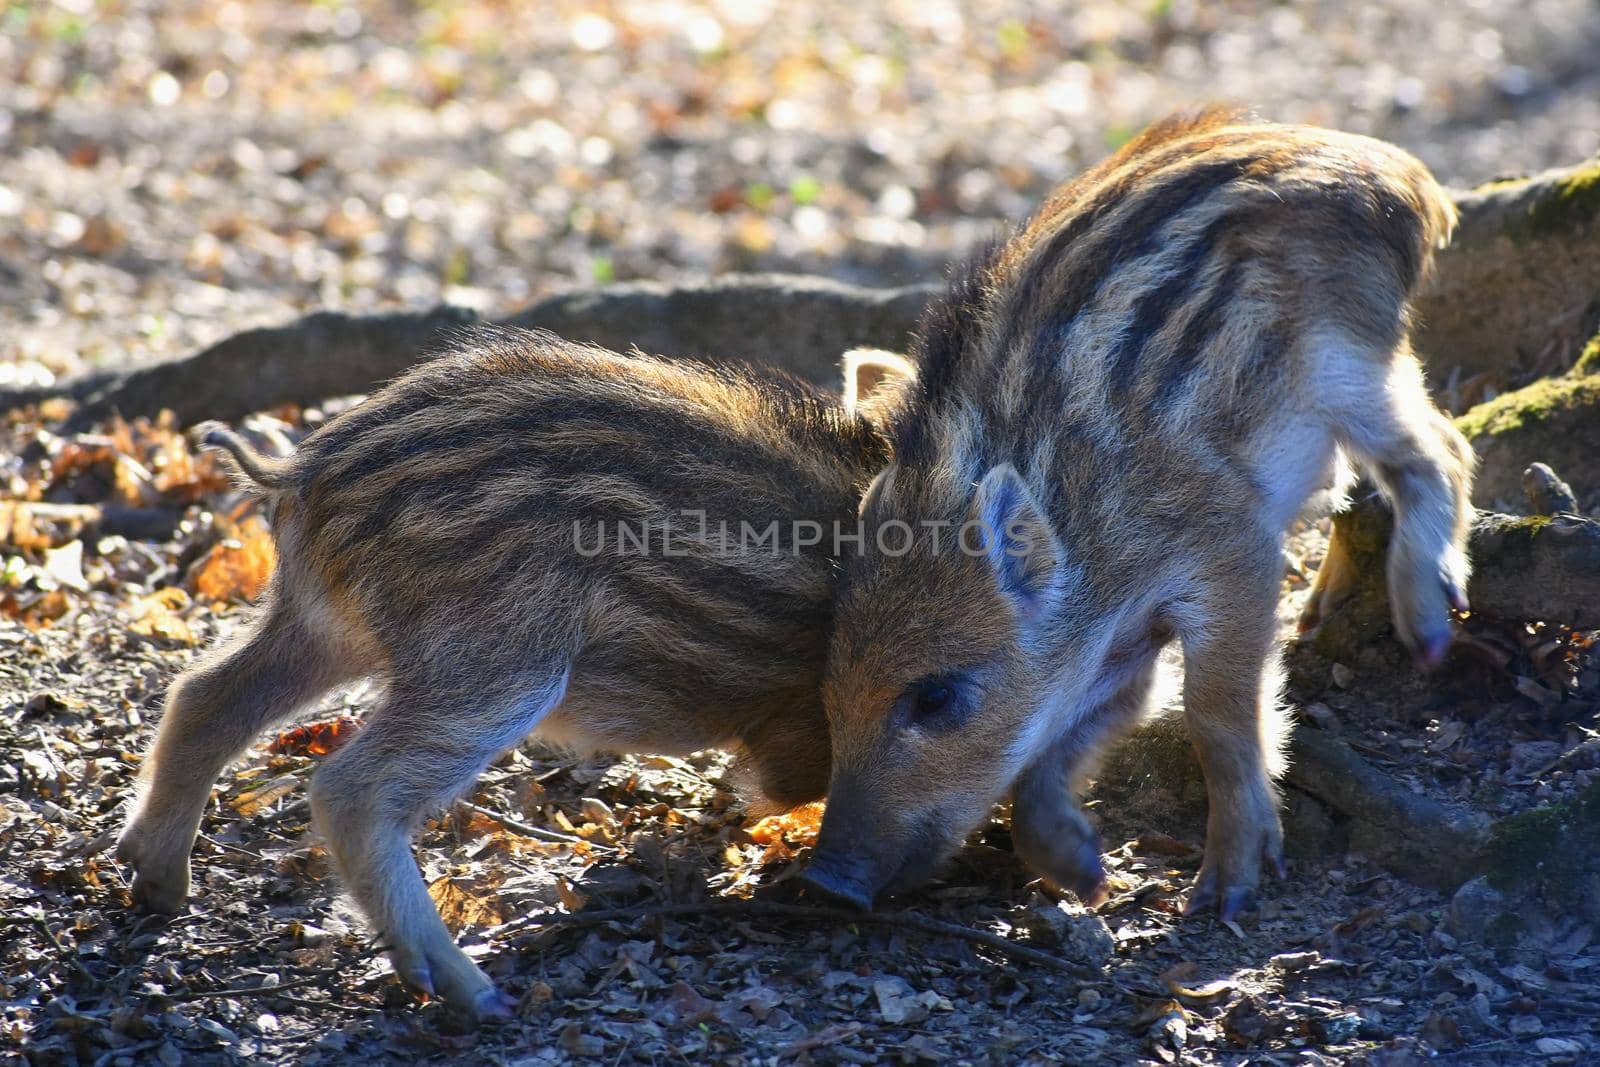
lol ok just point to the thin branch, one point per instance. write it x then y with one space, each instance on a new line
270 990
66 955
903 920
334 1005
537 832
241 991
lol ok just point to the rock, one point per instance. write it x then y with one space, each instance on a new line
1529 758
1551 855
1554 421
1337 1029
1537 568
1525 258
1294 962
1170 1031
900 1005
1547 494
1563 1047
1325 717
1474 910
1085 938
1541 568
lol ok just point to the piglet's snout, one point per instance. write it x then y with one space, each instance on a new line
840 879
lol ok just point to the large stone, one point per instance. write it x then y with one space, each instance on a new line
1517 292
1555 421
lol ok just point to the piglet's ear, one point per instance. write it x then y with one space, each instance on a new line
880 486
875 380
1020 544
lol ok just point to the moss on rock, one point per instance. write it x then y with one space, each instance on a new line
1589 359
1569 202
1552 420
1553 851
1533 403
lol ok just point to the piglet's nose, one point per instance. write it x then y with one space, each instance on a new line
839 881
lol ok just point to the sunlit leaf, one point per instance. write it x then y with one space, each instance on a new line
238 568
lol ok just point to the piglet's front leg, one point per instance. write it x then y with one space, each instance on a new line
1053 836
1231 709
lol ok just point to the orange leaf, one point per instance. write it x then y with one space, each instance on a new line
571 899
18 528
795 829
39 612
253 800
157 615
315 738
463 903
239 567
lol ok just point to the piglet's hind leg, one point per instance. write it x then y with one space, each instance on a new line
424 747
214 711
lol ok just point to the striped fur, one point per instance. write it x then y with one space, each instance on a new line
1151 378
428 537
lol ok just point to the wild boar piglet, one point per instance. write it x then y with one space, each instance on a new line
1119 410
621 553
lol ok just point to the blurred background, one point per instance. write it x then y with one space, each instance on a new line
172 172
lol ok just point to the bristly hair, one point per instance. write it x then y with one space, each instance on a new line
952 329
982 347
948 335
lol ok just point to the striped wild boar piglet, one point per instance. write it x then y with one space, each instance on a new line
622 553
1118 413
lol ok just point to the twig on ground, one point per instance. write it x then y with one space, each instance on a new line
243 991
272 990
335 1005
905 920
226 847
38 922
537 832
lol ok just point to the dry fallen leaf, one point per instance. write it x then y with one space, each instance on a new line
1158 844
316 738
1359 921
156 615
782 834
36 612
19 529
571 899
253 800
239 567
465 902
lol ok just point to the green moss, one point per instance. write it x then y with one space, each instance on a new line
1588 359
1569 202
1500 183
1553 849
1530 404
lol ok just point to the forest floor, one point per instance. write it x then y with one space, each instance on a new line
173 173
127 553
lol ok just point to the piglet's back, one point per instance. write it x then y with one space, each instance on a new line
489 491
1191 265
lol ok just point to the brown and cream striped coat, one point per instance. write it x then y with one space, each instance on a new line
457 536
1137 393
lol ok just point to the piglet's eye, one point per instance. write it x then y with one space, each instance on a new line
930 697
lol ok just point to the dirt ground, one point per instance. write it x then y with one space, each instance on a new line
171 173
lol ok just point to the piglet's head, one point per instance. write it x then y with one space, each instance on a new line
931 689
